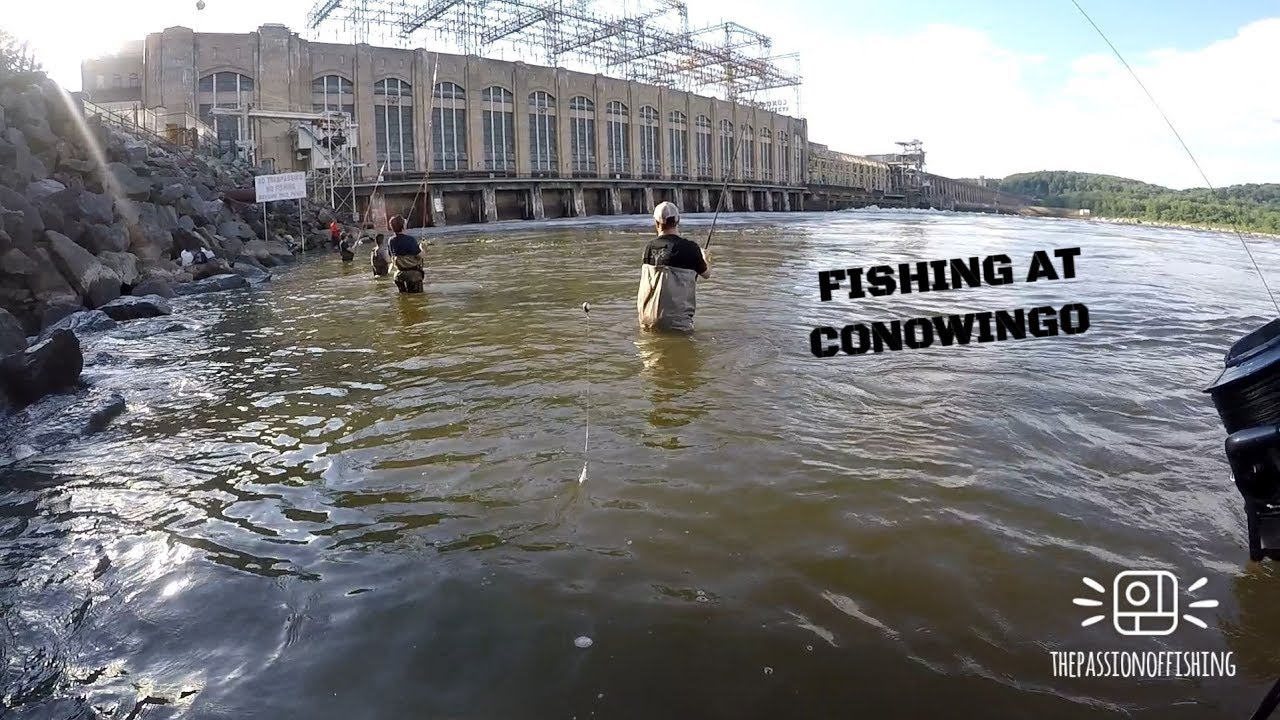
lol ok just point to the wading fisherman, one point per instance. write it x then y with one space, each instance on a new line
380 258
407 253
668 293
347 248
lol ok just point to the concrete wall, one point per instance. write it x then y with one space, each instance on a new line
283 66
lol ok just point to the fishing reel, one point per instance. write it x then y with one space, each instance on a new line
1247 397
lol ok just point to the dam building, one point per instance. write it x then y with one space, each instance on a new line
446 138
481 139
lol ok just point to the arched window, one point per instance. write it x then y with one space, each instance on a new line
224 90
393 124
702 146
650 163
678 144
116 81
766 154
784 152
499 129
544 152
333 93
748 152
727 154
618 136
134 80
582 136
449 128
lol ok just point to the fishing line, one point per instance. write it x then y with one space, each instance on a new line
733 156
586 443
1181 142
1272 699
431 149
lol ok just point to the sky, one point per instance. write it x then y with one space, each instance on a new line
991 87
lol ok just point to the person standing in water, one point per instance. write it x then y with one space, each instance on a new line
668 293
407 254
380 258
347 248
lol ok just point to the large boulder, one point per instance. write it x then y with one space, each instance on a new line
13 338
51 365
100 239
124 264
29 226
253 274
238 229
208 269
267 253
44 188
96 283
129 183
217 283
132 308
54 313
79 204
81 322
154 286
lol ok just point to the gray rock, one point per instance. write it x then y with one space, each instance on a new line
130 184
154 286
84 205
12 336
51 365
57 311
44 188
172 193
124 264
252 274
84 167
81 322
186 223
105 238
136 153
60 420
148 242
236 229
208 269
29 226
267 253
133 308
186 240
217 283
96 283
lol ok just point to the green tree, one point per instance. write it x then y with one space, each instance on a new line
1252 207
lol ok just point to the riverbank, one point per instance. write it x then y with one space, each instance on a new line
1183 226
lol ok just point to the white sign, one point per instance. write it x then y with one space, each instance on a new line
283 186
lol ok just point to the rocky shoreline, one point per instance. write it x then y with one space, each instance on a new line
100 227
1181 226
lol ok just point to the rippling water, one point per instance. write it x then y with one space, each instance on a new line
331 501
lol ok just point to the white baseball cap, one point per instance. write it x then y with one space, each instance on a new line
664 211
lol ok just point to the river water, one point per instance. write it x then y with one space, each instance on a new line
330 501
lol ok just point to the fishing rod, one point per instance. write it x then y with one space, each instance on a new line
586 443
1247 398
430 148
728 174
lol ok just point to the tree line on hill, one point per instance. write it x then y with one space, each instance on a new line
1249 208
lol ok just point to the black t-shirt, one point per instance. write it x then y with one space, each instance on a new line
403 244
675 251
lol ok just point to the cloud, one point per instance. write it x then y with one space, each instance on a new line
982 109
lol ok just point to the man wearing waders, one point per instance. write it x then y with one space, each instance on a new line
668 294
406 256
